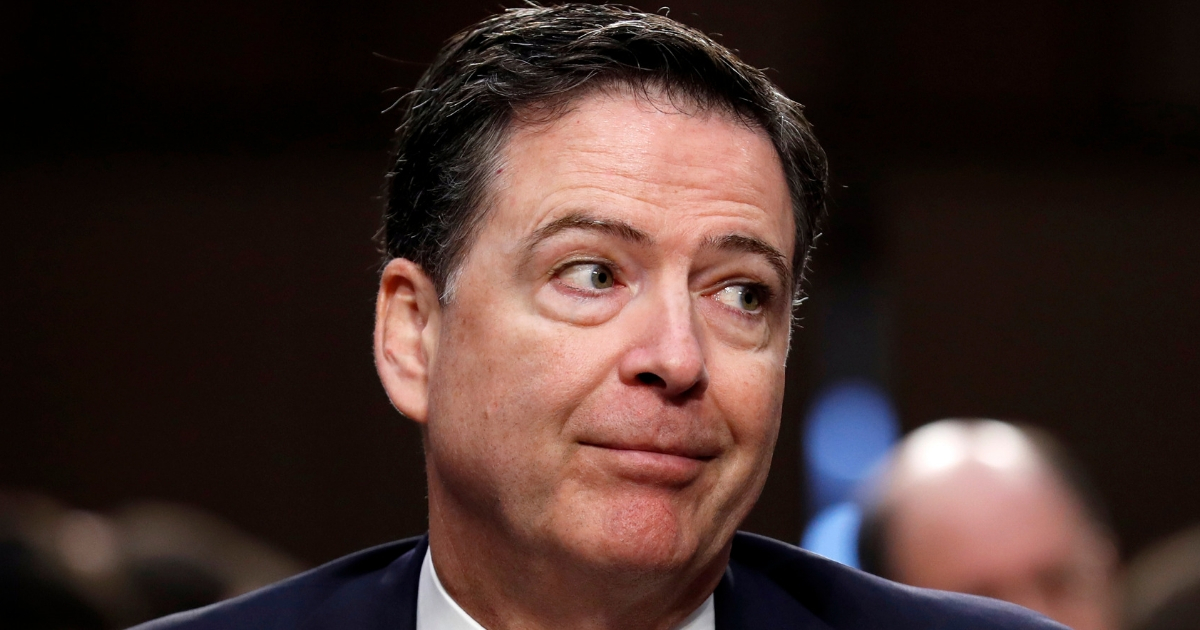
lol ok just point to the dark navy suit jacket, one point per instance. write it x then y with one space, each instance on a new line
767 586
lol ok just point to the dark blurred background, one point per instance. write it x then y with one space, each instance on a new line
189 192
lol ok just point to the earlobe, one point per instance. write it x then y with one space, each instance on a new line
407 316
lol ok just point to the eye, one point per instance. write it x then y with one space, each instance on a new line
588 276
742 297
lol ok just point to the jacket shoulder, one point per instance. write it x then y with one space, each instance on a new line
843 597
352 582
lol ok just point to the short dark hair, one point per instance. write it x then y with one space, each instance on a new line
539 59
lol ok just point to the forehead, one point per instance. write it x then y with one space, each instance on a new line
641 156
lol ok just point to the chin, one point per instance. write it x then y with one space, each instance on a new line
645 534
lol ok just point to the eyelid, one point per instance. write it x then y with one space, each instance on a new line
766 293
745 269
766 297
584 259
574 241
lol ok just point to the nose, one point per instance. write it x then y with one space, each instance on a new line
667 352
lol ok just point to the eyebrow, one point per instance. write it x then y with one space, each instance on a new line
581 221
758 247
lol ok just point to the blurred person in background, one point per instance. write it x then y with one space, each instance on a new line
37 590
1162 585
64 568
993 509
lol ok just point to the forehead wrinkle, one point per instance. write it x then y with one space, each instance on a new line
594 151
672 174
756 246
562 159
609 187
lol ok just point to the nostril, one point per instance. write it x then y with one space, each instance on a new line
649 378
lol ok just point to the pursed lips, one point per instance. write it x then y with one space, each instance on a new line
670 465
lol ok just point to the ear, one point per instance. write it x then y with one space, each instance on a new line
407 316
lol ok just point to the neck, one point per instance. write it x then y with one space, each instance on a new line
505 583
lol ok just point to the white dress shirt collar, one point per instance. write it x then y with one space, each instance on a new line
436 610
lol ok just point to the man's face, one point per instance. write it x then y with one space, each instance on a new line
609 372
1017 537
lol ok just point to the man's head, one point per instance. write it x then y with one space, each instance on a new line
987 508
530 65
598 218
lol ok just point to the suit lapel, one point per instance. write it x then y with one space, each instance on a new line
384 602
748 600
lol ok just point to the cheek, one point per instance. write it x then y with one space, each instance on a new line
504 383
750 392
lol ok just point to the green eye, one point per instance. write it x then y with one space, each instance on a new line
601 277
588 276
740 296
750 299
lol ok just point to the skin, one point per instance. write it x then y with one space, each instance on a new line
601 396
1010 531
